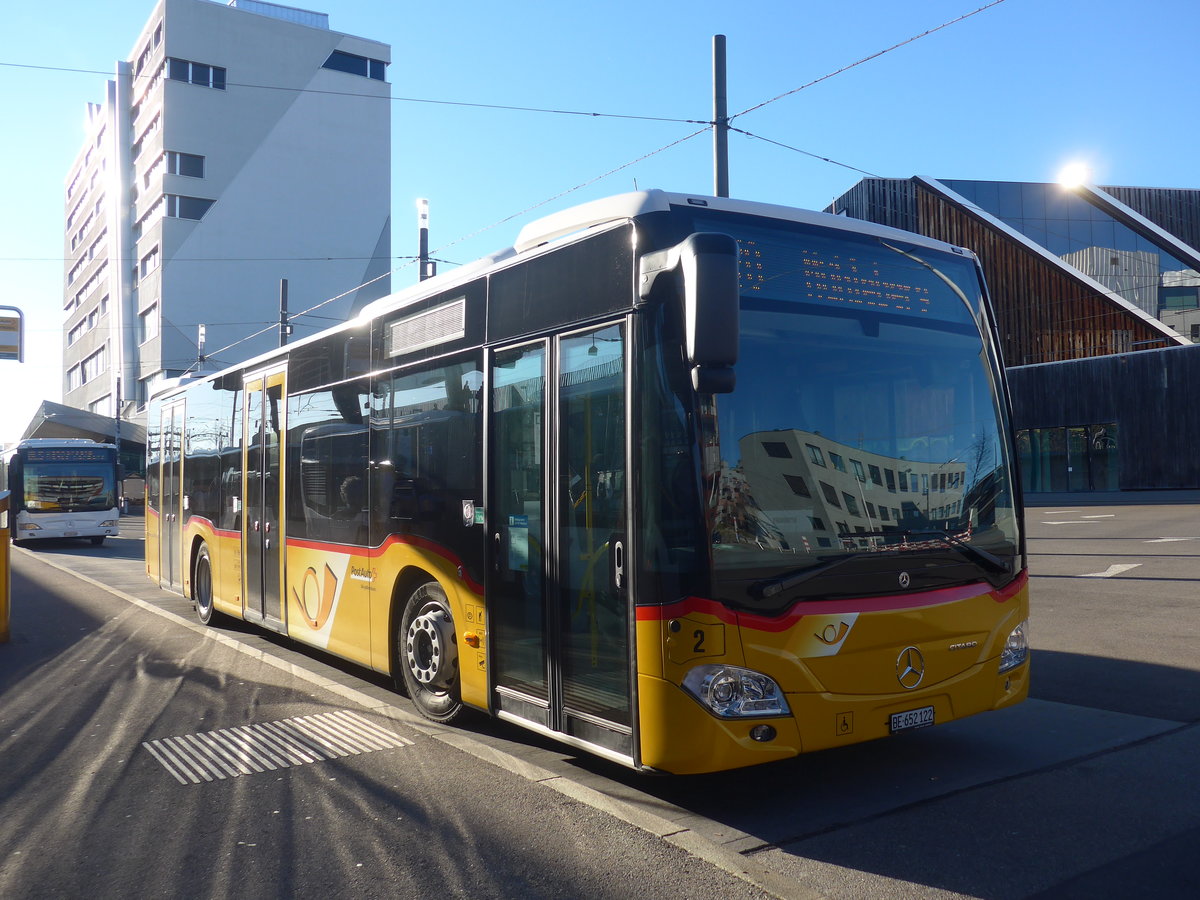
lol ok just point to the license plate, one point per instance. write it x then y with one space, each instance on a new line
912 718
70 534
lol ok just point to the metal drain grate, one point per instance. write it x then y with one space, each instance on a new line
249 749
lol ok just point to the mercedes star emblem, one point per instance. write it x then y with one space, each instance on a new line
910 668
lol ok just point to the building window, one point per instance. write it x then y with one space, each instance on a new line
149 262
178 207
836 461
815 454
148 324
185 164
196 73
355 65
1073 458
830 494
851 504
777 449
796 483
91 368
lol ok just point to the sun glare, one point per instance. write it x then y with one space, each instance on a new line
1075 174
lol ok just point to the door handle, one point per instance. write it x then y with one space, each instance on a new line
256 524
618 558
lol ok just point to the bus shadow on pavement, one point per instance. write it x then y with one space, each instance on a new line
931 807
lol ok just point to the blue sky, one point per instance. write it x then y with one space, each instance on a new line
1013 93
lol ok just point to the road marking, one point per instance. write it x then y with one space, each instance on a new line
1105 516
1071 522
1170 540
1115 569
248 749
1058 512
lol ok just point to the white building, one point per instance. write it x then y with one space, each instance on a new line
238 145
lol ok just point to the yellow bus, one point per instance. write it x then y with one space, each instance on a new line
686 482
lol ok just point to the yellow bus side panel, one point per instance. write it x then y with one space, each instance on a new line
339 599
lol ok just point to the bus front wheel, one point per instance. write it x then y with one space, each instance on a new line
427 653
202 586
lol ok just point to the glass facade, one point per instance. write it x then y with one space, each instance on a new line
1089 239
1071 458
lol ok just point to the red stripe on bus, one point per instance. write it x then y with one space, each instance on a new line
375 552
890 603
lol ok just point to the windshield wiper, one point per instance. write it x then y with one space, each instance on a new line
983 558
769 587
990 562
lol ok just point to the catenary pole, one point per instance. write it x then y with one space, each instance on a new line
720 120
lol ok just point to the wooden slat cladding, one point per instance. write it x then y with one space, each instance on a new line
1176 210
1043 314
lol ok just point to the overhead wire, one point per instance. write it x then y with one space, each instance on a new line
865 59
389 97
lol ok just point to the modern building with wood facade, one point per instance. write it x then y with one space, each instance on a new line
1097 297
1073 273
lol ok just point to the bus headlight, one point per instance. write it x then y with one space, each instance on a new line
1016 648
732 692
29 526
108 523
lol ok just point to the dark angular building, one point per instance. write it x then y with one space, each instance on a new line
1084 281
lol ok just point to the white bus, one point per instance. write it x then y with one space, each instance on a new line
62 488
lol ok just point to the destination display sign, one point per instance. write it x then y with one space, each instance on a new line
67 454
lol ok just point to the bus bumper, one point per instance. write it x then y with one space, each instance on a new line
64 528
818 721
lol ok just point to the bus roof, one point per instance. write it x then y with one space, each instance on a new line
627 206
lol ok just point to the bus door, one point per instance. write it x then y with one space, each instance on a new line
558 607
171 503
264 430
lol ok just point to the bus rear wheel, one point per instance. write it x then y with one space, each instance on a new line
202 586
427 653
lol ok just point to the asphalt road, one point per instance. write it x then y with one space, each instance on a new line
1088 789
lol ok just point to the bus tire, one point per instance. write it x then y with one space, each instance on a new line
97 540
202 586
427 653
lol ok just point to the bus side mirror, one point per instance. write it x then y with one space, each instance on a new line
705 269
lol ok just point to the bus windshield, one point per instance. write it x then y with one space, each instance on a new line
69 487
863 450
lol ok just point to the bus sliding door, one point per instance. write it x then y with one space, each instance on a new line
558 604
170 521
264 431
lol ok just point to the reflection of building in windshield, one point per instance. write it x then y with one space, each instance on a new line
797 490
